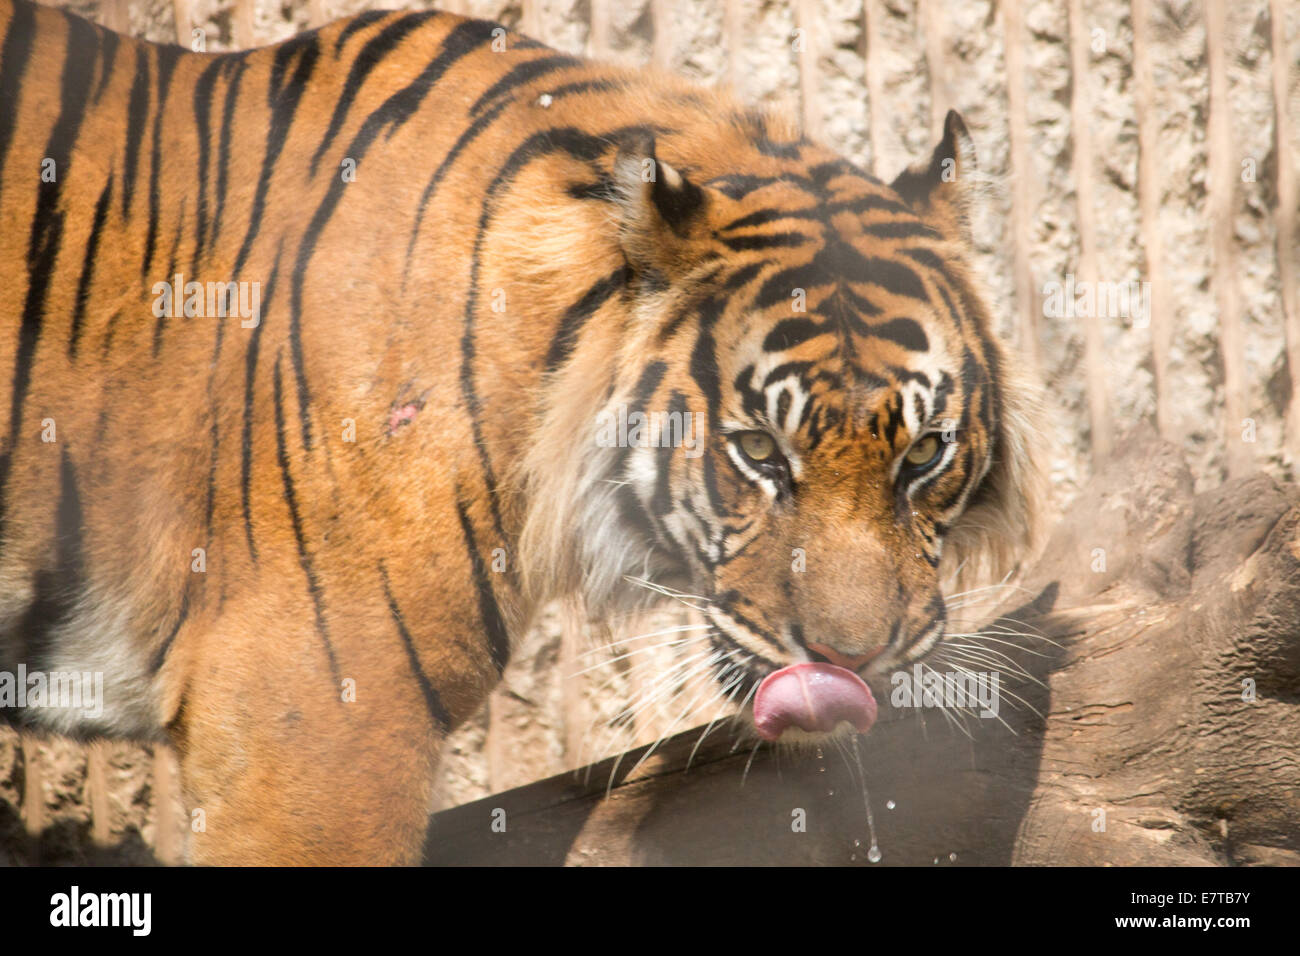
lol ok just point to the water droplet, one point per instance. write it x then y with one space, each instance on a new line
936 861
890 804
952 857
874 853
857 843
830 792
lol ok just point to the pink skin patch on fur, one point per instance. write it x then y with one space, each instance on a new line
812 696
403 415
404 412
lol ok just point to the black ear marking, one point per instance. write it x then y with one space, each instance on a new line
677 198
946 172
648 180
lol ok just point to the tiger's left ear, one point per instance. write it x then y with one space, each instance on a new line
942 188
662 213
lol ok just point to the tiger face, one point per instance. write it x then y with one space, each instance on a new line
847 429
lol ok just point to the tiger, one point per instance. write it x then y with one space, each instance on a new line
296 525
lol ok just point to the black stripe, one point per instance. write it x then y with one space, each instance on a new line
489 610
782 407
432 699
651 376
359 22
931 261
735 281
702 539
785 370
246 443
582 87
869 203
88 266
895 277
661 503
178 303
823 173
167 57
635 518
937 614
214 452
739 185
704 370
291 501
764 216
283 98
727 604
903 332
927 258
571 323
108 42
160 655
951 500
223 148
778 150
791 333
57 590
901 230
778 288
780 240
942 391
369 57
520 75
859 302
894 417
724 558
17 50
648 382
991 400
107 345
203 90
136 120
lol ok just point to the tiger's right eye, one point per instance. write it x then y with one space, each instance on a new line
924 452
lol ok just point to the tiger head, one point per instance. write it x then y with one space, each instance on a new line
811 429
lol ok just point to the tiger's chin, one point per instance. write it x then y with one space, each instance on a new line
804 742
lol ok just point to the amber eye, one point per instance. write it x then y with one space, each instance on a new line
923 452
757 446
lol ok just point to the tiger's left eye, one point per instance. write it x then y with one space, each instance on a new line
757 446
923 452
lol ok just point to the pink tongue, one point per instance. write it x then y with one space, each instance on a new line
814 697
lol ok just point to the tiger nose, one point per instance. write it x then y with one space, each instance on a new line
846 661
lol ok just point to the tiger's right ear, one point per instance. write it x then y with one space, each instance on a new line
662 213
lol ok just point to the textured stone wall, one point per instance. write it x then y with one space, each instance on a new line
1120 141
